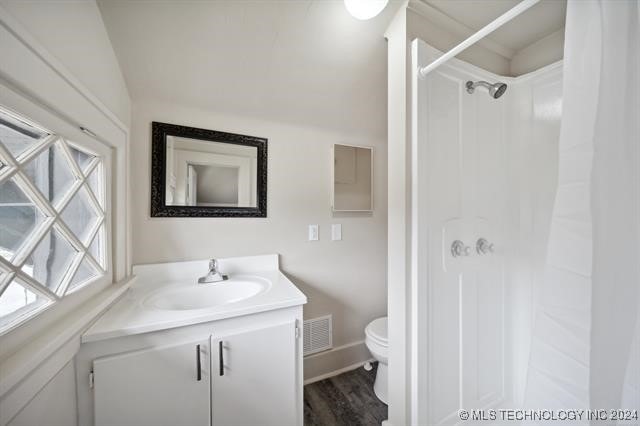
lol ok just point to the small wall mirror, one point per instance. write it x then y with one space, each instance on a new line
204 173
352 189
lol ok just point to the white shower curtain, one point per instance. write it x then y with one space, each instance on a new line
584 352
615 189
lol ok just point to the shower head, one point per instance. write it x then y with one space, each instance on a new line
495 90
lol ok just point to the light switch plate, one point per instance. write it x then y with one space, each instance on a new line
336 232
313 232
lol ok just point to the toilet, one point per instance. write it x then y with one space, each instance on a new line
378 343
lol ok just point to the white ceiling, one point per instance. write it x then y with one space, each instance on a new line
541 20
306 62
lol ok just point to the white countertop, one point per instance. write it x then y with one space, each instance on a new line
129 315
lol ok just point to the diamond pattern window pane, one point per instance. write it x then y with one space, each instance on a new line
95 183
17 301
52 170
51 259
96 249
17 136
19 217
81 158
84 274
51 173
79 215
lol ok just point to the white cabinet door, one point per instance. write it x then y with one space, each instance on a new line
167 385
254 377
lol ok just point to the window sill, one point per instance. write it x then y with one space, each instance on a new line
16 367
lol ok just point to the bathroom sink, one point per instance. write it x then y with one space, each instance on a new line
206 296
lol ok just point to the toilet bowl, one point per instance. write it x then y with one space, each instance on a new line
377 341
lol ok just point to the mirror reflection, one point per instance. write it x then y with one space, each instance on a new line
352 178
211 174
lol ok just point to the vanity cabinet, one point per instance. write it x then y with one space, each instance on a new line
171 352
234 372
252 380
155 386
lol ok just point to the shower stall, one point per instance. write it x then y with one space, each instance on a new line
486 172
507 313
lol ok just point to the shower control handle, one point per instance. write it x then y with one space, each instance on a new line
483 246
459 249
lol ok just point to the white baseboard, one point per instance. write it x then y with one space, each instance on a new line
336 372
335 361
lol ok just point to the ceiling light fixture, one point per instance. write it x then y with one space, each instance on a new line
365 9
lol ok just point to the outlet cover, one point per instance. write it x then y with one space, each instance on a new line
336 232
313 233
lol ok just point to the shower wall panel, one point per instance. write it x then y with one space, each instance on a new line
535 108
460 193
481 168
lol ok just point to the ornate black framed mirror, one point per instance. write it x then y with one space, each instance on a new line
205 173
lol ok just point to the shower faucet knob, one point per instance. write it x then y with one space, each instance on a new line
459 249
483 246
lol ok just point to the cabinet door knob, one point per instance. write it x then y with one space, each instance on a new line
221 358
198 364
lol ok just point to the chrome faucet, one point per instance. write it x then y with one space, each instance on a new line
213 276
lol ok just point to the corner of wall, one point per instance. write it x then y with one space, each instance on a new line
543 52
335 361
398 122
426 24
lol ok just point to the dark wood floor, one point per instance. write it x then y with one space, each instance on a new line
347 399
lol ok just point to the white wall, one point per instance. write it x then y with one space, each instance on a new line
62 72
443 33
74 33
545 51
54 405
398 278
420 26
345 278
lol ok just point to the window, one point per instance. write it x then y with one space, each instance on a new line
52 218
